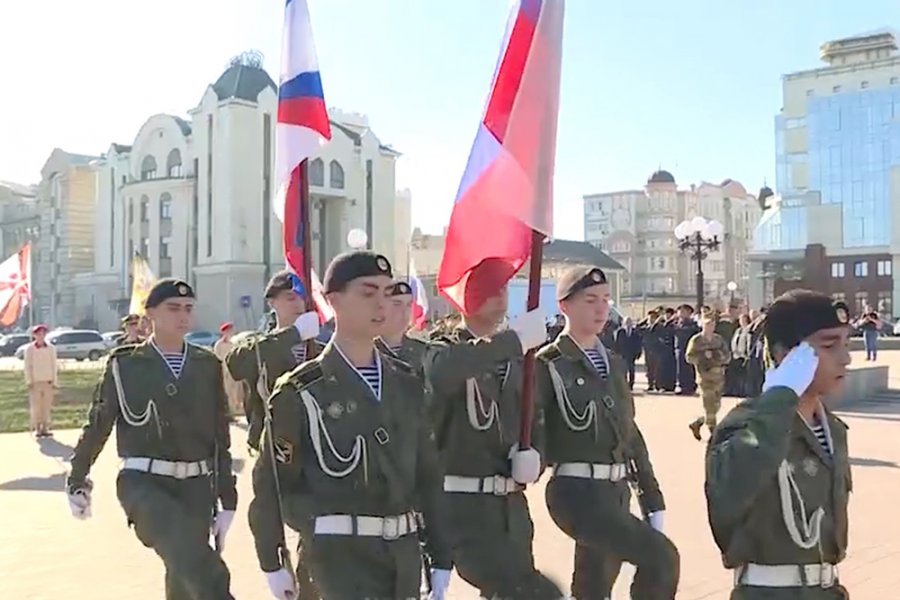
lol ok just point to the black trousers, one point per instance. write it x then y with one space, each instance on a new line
596 515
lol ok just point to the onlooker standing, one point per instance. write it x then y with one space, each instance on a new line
741 350
41 380
870 325
628 346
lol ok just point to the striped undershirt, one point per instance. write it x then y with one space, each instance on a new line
372 376
818 428
299 353
175 360
597 360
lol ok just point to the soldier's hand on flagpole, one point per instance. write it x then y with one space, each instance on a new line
530 328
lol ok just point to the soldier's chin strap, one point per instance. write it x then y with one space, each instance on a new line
812 526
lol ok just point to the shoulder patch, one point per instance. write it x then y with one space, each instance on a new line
284 451
549 353
305 375
398 364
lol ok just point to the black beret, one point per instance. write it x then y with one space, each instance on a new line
129 319
401 288
167 288
686 307
283 281
353 265
797 314
576 279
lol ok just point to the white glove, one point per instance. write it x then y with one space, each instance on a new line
80 504
307 325
221 526
440 581
282 584
656 520
526 465
796 371
530 328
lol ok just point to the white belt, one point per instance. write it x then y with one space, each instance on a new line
167 468
615 472
496 485
786 576
388 528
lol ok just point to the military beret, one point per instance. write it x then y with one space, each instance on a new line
226 327
353 265
401 288
686 307
165 289
797 314
130 319
283 281
576 279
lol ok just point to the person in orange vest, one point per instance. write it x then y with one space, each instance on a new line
233 389
41 379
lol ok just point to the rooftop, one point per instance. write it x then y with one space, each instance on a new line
573 252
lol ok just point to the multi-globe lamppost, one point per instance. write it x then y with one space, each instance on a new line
696 238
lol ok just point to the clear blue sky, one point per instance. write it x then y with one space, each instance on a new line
690 85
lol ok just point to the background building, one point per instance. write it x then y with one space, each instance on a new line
19 220
194 196
65 248
636 228
837 154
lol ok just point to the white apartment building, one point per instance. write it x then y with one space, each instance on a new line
636 228
194 197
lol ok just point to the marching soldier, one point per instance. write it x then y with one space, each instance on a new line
596 448
474 374
353 453
395 339
261 360
165 398
710 354
777 467
131 331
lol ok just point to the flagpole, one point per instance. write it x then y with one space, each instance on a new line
534 298
305 225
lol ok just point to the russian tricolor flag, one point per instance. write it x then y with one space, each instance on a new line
506 191
420 300
301 129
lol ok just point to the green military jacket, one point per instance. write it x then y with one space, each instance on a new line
411 351
757 454
475 395
259 361
709 355
340 450
123 340
593 419
159 416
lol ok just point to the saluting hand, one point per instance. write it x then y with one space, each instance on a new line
796 371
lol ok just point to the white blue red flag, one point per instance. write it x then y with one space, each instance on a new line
420 300
301 129
506 191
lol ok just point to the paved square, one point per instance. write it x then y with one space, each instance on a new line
46 554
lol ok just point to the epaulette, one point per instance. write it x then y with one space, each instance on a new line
123 351
399 364
549 353
305 375
201 352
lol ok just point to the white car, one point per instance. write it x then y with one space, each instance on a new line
80 344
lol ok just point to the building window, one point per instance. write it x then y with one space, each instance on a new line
173 164
884 268
145 248
839 296
864 85
317 172
130 211
145 209
885 305
861 269
336 175
836 89
861 300
165 206
148 168
837 270
165 247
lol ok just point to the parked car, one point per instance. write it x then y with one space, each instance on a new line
111 338
202 338
12 342
80 344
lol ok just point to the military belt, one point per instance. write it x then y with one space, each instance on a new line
786 576
388 528
497 485
615 472
166 468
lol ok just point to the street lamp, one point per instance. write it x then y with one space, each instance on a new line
732 287
696 237
357 239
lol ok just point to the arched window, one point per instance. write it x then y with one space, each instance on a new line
173 164
148 168
165 206
336 175
317 172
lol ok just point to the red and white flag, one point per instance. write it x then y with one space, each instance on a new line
420 299
15 286
326 313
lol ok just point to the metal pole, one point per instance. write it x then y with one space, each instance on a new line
698 255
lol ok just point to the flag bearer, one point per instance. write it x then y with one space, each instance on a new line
354 456
260 360
165 398
41 378
395 339
131 331
475 378
777 467
596 450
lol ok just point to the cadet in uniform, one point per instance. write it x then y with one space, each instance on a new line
596 449
777 468
131 331
684 328
710 353
261 360
474 373
395 339
166 399
355 457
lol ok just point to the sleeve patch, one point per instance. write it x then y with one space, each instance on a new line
284 451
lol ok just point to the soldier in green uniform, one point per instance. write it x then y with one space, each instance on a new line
596 449
474 374
777 467
354 456
710 354
168 404
395 338
260 360
131 331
